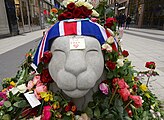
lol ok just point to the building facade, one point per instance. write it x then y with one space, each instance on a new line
147 13
23 15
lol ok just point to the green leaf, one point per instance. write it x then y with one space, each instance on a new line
67 118
6 117
106 112
20 104
89 112
118 102
10 109
110 117
7 104
97 112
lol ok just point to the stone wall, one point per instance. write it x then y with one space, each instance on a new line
4 27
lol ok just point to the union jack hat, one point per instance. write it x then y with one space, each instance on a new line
70 27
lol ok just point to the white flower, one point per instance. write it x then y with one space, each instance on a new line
14 90
22 88
110 40
135 74
88 5
158 113
107 47
80 3
95 13
66 2
152 111
120 62
153 115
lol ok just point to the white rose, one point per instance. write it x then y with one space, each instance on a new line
66 2
104 46
135 74
14 90
159 114
110 40
80 3
22 88
95 13
88 5
120 62
107 47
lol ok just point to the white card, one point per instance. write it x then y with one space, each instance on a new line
77 43
31 98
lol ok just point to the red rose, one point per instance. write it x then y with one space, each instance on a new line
61 17
134 87
45 76
71 6
76 12
124 93
110 22
45 12
130 114
115 81
29 112
150 65
122 84
46 57
68 15
125 53
111 65
137 100
85 12
67 108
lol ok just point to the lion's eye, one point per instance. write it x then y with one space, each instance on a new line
92 50
58 50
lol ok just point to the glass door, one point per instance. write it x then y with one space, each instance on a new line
25 15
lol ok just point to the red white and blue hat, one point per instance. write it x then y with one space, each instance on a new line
70 27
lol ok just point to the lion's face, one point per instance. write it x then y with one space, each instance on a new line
76 71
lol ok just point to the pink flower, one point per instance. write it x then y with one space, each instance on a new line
137 100
122 84
124 93
36 79
46 114
30 85
4 98
104 88
94 19
39 89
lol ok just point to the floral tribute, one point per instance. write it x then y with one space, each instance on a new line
77 9
121 96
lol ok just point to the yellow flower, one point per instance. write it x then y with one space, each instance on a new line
143 88
147 95
47 96
12 83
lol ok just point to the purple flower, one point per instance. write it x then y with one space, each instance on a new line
4 98
104 88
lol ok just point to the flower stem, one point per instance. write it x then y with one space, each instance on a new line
113 95
127 104
147 82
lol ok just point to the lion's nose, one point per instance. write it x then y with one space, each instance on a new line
75 62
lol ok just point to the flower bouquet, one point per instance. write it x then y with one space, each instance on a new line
121 96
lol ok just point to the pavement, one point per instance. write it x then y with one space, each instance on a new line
146 45
143 45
